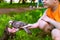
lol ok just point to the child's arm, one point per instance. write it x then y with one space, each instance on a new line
35 25
53 22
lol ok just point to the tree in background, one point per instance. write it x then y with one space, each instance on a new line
33 1
24 1
19 1
1 1
11 1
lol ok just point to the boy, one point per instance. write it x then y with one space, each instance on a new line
50 18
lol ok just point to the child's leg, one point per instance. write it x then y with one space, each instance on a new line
55 34
45 26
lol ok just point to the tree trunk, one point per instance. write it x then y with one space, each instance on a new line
1 1
23 1
33 1
19 1
10 1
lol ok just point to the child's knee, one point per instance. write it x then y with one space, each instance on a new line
55 31
45 26
55 34
42 24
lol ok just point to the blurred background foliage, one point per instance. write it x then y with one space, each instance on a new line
16 5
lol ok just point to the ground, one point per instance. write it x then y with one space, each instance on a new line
7 10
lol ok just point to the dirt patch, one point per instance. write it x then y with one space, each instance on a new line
7 10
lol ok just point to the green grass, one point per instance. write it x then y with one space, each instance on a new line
27 17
